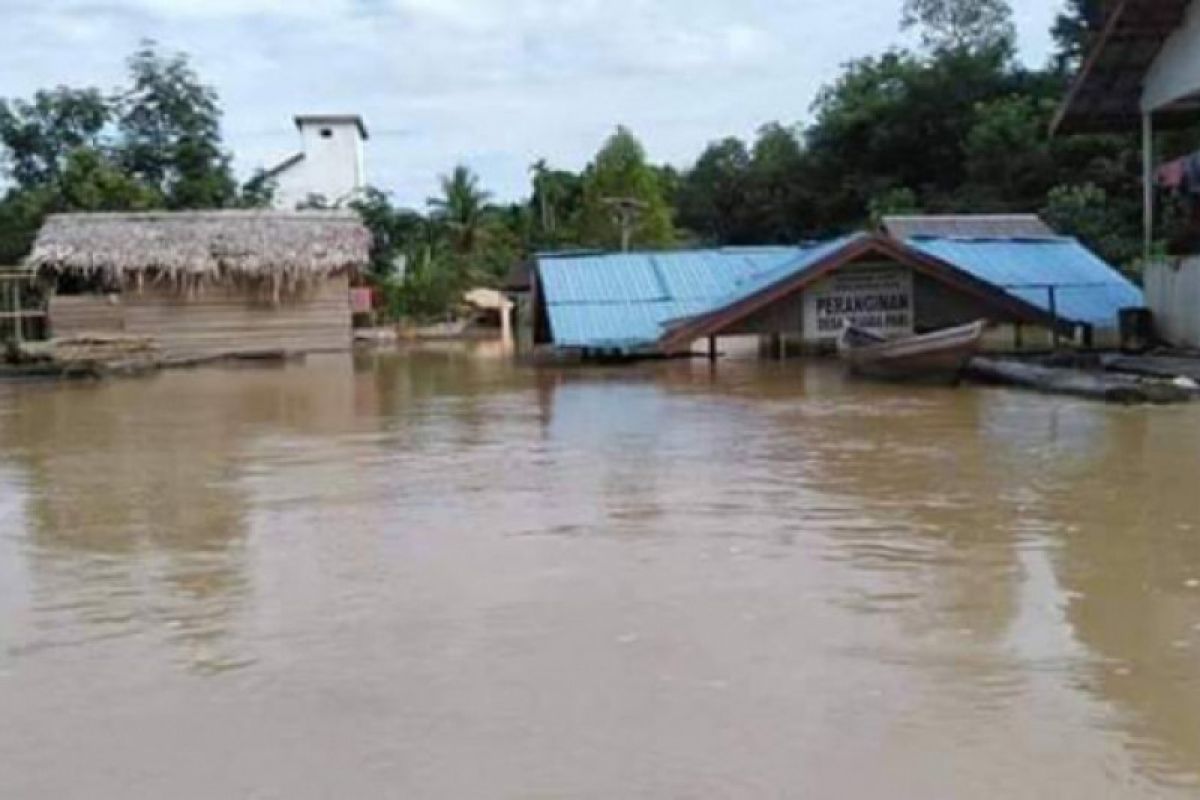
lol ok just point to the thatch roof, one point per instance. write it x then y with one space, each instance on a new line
284 248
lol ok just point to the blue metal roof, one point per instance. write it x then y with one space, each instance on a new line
1086 289
622 301
626 301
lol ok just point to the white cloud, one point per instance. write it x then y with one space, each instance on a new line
493 83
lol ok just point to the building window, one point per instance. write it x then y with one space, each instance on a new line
326 133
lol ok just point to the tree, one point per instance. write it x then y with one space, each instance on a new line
39 135
619 176
1008 156
461 208
781 206
894 121
556 200
91 182
393 231
1072 32
21 214
900 200
542 196
960 26
170 128
712 196
1084 211
258 191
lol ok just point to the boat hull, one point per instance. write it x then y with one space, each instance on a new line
938 357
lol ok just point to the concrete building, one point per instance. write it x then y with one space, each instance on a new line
330 164
1143 71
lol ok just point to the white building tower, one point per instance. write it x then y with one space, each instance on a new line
330 164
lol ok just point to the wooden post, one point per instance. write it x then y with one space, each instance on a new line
507 309
1053 316
1148 182
15 295
712 349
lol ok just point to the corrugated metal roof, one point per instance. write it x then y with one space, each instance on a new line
1086 288
626 302
994 226
621 301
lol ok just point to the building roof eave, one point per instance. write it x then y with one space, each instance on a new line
1106 95
283 166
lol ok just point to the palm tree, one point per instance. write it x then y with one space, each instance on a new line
542 190
462 208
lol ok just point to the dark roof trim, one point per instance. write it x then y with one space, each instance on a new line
333 119
680 337
287 163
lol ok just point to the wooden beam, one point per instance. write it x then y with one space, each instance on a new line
1089 64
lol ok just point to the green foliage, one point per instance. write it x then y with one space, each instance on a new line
258 191
898 121
461 209
21 214
38 135
620 173
170 127
900 200
1073 30
712 200
779 196
423 264
556 204
1084 211
156 144
91 182
1007 153
959 26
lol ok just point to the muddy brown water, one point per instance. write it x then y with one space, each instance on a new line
437 574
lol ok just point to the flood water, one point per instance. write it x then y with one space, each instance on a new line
439 574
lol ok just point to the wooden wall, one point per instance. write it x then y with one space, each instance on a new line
216 321
71 315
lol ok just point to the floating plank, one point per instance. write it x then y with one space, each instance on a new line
1089 385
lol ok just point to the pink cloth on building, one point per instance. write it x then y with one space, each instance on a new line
1172 174
360 300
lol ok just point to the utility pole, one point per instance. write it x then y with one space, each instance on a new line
625 211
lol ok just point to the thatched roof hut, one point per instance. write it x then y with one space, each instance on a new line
205 283
192 248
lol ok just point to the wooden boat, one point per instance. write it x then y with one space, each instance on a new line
940 356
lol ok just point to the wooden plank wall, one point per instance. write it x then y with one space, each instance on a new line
72 315
217 321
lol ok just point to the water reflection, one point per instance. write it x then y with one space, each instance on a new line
136 520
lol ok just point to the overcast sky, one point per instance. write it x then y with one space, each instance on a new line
495 84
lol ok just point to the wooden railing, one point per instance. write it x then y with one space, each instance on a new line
13 309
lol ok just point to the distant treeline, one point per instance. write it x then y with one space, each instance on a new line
956 126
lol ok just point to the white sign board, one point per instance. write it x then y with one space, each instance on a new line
878 298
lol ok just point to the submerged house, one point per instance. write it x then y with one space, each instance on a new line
1033 289
204 283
